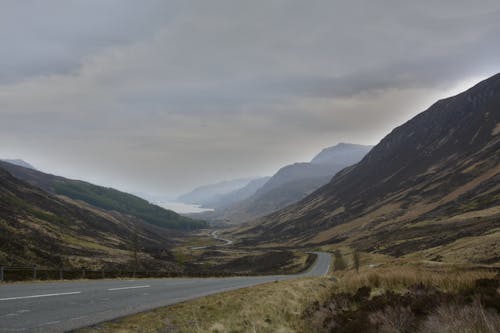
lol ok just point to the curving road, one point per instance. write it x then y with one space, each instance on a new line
215 236
62 306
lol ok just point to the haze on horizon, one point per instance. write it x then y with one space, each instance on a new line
159 97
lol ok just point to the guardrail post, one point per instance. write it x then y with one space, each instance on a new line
60 273
1 273
34 272
102 272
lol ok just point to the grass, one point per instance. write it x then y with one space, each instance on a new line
272 307
391 296
233 260
448 279
400 296
111 199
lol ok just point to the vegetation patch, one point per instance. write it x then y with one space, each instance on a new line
269 308
410 299
372 293
421 308
111 199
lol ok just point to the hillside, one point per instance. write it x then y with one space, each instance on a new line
240 194
39 228
291 184
323 166
104 198
207 195
429 188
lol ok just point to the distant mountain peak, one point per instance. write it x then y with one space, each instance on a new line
341 151
19 162
208 194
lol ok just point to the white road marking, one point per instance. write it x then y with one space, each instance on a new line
327 270
134 287
50 323
78 318
38 296
17 313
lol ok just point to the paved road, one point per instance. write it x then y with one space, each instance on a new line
214 235
62 306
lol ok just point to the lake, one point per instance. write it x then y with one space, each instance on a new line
183 208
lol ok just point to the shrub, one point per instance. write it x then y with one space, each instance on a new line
394 319
452 318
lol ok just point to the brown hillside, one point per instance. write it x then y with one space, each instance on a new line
42 229
431 186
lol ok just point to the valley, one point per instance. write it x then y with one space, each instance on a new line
250 166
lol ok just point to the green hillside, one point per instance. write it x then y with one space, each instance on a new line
104 198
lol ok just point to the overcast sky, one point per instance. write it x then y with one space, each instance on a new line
161 96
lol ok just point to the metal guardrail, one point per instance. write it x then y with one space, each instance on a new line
27 273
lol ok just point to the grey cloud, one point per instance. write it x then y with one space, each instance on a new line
160 96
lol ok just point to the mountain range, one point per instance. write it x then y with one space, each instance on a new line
210 195
430 188
289 185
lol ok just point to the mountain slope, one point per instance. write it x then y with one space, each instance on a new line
431 186
209 194
240 194
39 228
292 183
104 198
324 165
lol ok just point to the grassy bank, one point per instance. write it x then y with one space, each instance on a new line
272 307
410 298
389 296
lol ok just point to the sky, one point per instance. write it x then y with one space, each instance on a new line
157 97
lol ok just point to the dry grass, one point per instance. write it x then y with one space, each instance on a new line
447 279
461 319
272 307
292 306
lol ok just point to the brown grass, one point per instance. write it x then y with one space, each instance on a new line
461 319
292 306
447 279
272 307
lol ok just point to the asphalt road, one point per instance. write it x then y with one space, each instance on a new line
63 306
215 235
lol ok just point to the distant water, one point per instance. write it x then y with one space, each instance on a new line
183 208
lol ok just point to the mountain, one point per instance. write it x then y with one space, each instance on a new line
342 153
430 188
241 193
208 194
323 166
19 163
39 228
291 184
103 198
